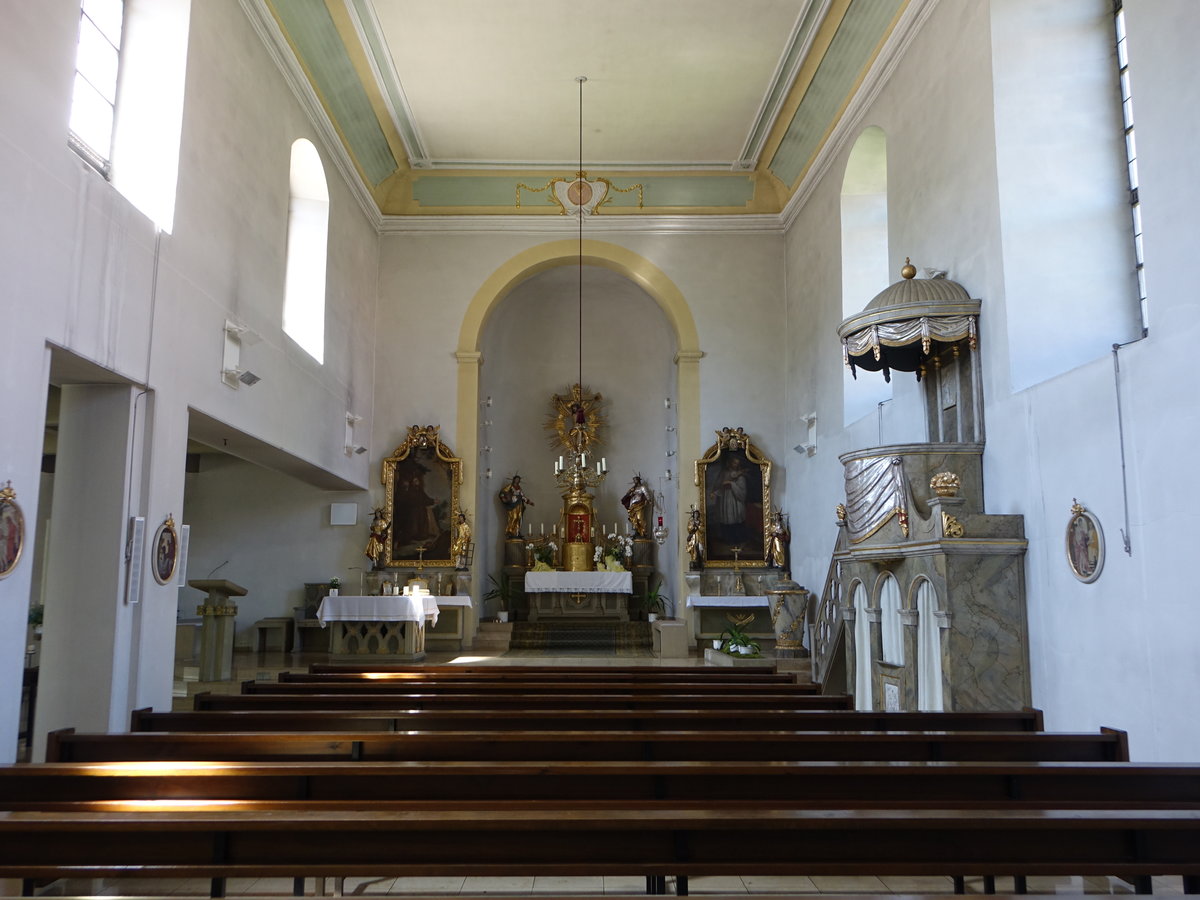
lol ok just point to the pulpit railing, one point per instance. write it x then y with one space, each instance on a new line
827 619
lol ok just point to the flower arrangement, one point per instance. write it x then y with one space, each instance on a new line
543 555
610 555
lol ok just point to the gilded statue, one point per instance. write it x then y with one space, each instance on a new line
377 543
461 544
514 501
576 420
638 500
695 538
778 537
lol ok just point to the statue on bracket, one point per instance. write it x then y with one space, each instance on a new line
460 546
638 500
514 501
778 538
695 539
376 550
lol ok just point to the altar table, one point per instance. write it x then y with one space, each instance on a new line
385 626
570 595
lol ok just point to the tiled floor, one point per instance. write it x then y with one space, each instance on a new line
265 667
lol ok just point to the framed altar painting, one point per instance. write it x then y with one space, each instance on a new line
166 551
12 530
1085 545
735 500
420 485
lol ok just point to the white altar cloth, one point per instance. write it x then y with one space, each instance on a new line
454 600
698 600
386 608
579 582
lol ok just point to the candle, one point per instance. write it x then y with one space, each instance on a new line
555 531
560 462
543 524
604 463
598 472
583 460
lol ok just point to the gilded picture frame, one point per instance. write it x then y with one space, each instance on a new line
420 485
166 551
12 530
734 479
1084 544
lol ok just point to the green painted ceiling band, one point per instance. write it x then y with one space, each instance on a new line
377 47
318 43
859 32
489 190
780 88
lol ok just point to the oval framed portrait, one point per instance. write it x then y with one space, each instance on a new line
1084 545
12 530
166 551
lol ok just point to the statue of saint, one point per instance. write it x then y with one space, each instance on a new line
377 543
461 543
778 537
695 539
637 501
513 499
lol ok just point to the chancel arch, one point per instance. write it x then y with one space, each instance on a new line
624 270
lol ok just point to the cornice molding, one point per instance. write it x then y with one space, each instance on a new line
277 47
559 226
911 21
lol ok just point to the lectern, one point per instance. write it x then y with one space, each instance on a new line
218 618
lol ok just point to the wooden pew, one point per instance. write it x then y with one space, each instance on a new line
630 838
368 785
581 700
499 676
542 671
1106 746
598 688
579 720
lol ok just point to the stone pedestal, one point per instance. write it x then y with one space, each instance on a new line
218 620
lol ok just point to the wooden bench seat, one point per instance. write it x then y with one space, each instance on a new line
484 719
574 700
597 687
652 839
500 676
545 671
368 785
1106 746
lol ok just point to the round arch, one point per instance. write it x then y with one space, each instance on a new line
550 255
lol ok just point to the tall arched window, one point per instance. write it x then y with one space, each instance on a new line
862 650
864 255
307 248
889 621
929 651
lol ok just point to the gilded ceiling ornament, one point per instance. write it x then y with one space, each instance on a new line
579 196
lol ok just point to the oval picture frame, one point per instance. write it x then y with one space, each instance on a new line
166 551
1084 545
12 531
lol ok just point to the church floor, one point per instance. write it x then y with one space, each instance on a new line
265 666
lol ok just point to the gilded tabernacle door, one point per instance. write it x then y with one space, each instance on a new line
420 487
735 500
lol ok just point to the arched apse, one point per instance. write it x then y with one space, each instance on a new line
640 273
864 209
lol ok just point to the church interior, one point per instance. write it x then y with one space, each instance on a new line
843 336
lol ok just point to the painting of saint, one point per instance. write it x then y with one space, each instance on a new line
734 513
1085 545
12 530
422 502
166 551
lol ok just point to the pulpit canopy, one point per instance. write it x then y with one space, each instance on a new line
899 327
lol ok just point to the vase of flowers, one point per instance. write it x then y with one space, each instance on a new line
542 555
614 554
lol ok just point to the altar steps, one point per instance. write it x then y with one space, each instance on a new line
596 636
493 637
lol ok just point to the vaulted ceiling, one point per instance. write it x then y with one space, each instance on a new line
469 107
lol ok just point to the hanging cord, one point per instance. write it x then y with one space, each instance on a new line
1125 540
579 213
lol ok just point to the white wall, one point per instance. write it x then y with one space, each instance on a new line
86 272
1117 652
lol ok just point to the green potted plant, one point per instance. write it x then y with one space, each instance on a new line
335 586
502 592
654 602
735 641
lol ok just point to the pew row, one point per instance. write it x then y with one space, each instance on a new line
575 700
484 719
599 687
651 839
1108 745
370 785
557 676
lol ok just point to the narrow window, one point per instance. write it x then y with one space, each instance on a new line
307 248
862 650
1131 160
94 96
929 651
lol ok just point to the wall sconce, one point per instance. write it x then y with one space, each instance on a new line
233 373
809 447
238 376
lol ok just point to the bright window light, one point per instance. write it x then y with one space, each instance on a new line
308 243
94 97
